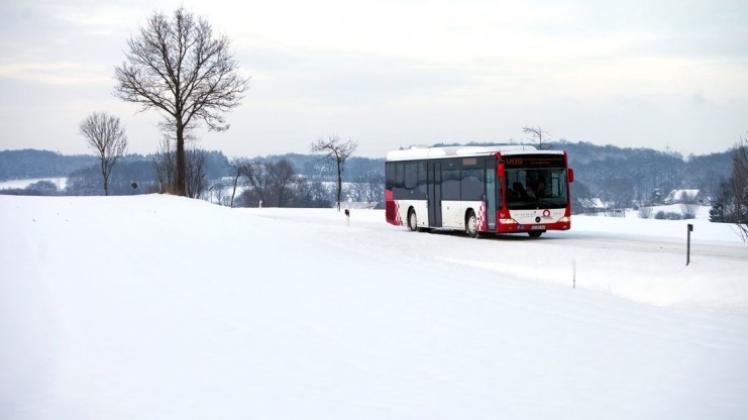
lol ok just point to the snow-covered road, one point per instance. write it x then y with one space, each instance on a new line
159 307
643 260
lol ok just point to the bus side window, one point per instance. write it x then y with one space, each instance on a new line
472 184
411 176
421 190
397 185
450 180
389 175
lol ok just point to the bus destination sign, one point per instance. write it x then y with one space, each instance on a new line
534 161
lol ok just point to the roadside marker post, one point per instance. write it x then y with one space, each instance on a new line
574 274
688 244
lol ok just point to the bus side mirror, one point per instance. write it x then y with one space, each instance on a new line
501 170
571 175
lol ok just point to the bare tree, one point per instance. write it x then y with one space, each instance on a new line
196 180
180 68
105 134
281 176
739 187
257 175
241 168
535 132
217 193
195 169
310 194
165 166
719 213
273 183
369 189
338 151
731 202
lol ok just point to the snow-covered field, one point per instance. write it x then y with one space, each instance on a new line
167 308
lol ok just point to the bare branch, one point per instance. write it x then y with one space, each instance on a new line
535 132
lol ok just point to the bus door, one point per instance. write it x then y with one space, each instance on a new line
435 193
493 194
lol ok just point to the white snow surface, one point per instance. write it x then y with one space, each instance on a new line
158 307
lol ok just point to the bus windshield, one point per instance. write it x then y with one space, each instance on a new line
533 188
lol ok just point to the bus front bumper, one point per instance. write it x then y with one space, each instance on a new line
518 227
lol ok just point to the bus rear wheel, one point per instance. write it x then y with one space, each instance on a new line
471 224
412 220
535 233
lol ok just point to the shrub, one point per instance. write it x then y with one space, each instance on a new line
667 215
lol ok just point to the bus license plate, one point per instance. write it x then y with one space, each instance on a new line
537 227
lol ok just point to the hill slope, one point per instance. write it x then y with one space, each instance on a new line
30 163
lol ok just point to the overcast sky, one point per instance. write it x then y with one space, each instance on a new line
386 74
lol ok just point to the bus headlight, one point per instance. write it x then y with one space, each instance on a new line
507 221
565 219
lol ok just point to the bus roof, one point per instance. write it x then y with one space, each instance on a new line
417 153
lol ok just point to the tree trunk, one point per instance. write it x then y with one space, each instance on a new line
181 178
104 177
233 191
340 184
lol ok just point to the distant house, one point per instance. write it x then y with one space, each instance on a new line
592 205
683 196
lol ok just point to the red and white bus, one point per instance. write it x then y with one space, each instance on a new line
503 189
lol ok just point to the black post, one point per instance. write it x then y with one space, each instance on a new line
688 244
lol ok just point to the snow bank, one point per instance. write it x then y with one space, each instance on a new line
631 226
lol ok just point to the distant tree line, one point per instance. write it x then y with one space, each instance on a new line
31 163
624 176
292 180
38 188
640 176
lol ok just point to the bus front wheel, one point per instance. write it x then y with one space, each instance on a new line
471 224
